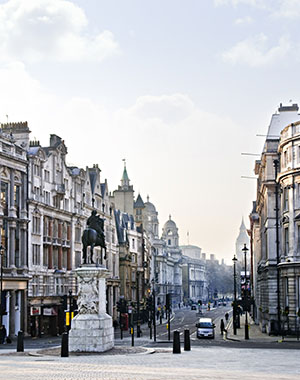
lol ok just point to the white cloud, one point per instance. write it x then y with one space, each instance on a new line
235 3
289 9
255 52
168 109
37 30
244 21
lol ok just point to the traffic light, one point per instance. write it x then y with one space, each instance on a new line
199 302
150 303
122 306
65 302
168 301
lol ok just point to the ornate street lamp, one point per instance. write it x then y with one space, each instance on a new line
245 249
234 295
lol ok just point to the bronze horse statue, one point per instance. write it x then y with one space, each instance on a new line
93 236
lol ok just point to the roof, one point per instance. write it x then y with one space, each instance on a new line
102 189
139 202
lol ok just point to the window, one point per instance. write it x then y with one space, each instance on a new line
47 290
169 241
35 285
35 254
4 197
113 236
36 193
55 257
46 195
36 225
77 234
77 259
286 291
17 198
37 170
133 244
67 204
45 256
285 199
64 258
286 240
47 175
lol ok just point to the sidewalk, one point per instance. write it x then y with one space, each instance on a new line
255 333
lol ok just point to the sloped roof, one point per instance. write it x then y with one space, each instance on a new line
139 202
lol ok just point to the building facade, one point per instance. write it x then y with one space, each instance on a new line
273 285
14 221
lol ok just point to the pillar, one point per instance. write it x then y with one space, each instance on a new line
60 246
50 250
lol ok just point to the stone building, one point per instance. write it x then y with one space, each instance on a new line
59 201
280 144
13 226
174 268
194 284
133 242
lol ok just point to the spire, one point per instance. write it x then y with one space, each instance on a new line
147 198
169 216
125 179
242 227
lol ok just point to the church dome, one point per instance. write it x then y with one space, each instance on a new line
170 225
150 207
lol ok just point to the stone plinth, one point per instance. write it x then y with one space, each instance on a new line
91 329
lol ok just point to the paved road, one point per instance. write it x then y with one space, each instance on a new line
205 363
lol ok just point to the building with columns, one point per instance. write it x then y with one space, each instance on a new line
14 220
276 287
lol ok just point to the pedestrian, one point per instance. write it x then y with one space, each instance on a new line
157 314
222 326
2 334
226 317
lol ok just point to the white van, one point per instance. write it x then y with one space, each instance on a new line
205 328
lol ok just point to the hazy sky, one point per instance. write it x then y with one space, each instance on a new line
178 88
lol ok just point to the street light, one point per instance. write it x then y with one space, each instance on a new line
2 307
234 294
245 249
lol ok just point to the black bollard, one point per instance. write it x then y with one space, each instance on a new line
64 345
187 340
176 342
20 342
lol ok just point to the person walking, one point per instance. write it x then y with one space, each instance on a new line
222 326
226 317
2 334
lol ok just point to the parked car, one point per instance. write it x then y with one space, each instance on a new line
205 328
193 306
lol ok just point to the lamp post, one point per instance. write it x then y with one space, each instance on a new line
234 294
1 283
245 249
138 328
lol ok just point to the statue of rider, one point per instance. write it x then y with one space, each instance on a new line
96 223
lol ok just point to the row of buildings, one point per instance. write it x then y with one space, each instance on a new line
275 225
44 206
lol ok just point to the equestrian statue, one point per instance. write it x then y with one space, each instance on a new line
93 236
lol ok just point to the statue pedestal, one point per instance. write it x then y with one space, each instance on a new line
91 329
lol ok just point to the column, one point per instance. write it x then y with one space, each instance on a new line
11 206
69 258
60 246
50 250
24 253
12 243
12 304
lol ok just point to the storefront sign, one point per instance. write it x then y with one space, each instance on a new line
35 310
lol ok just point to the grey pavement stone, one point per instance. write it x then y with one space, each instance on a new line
200 363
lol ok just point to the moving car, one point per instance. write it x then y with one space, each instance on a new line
193 307
205 328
